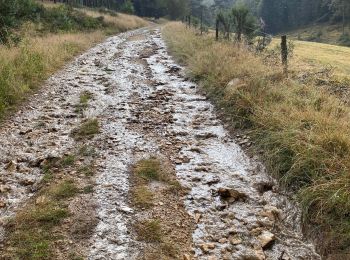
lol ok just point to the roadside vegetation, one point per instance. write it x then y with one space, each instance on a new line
37 40
301 130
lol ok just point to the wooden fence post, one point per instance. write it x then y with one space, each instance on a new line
202 21
217 30
189 21
284 54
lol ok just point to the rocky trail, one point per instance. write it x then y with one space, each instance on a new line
146 107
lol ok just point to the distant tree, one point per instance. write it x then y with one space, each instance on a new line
177 8
341 9
243 21
127 7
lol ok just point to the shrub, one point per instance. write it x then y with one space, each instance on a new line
345 40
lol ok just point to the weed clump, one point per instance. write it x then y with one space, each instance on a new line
142 197
87 130
64 190
149 231
150 170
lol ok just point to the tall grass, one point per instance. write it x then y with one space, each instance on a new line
120 22
304 132
24 66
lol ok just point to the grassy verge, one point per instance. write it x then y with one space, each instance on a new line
47 44
302 130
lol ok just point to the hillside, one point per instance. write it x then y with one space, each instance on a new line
323 33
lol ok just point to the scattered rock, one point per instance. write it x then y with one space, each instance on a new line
11 166
206 136
235 240
207 247
272 213
4 188
2 204
197 217
231 194
266 239
223 240
27 182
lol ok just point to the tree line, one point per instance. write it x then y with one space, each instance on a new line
173 9
280 15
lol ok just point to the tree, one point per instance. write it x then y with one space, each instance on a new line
341 9
127 7
243 21
177 8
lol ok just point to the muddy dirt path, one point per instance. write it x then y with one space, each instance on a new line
146 107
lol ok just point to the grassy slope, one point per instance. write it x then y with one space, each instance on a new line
324 33
304 132
319 54
23 68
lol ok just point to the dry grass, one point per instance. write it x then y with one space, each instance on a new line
314 55
23 68
303 131
149 231
142 197
86 130
325 33
122 22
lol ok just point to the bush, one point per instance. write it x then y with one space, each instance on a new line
62 18
13 13
65 18
344 40
127 7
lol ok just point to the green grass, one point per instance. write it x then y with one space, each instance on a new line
68 160
31 235
64 190
149 169
87 170
86 130
84 99
303 131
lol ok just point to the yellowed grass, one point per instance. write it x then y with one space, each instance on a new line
121 21
328 33
56 48
321 54
22 68
303 130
